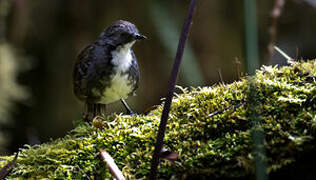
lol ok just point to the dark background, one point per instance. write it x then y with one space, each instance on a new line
49 35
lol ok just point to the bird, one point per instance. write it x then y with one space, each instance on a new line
106 70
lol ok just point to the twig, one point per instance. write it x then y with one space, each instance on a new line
84 173
220 75
296 53
238 63
227 108
173 78
275 14
5 171
116 172
287 57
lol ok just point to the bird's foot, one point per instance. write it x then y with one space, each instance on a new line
128 109
131 113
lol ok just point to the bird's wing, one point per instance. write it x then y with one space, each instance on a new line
85 53
134 71
91 66
81 71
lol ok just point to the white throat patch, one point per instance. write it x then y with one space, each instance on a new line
120 86
122 57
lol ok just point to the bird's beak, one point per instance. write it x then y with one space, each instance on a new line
139 37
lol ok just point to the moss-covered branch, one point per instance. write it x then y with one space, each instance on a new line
208 128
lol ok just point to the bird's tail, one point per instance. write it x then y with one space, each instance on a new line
93 110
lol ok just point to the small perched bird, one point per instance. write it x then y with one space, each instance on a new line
106 70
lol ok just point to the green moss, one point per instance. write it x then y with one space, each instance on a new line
208 127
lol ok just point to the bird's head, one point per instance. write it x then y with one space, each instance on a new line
121 33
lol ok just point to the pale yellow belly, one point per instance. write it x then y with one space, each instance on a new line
120 89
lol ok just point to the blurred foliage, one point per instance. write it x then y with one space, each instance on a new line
10 91
209 128
169 31
11 65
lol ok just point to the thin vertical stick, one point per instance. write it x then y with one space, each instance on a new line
219 71
252 53
174 74
238 63
275 14
253 64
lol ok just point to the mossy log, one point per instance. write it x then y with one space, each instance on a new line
209 127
